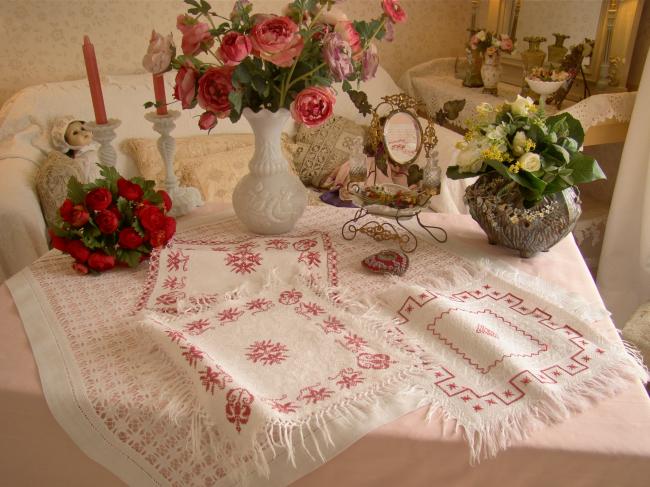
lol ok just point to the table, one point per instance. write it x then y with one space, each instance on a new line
608 445
434 83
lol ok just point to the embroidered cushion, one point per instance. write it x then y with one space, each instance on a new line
320 151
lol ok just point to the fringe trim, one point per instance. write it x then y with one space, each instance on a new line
161 377
489 438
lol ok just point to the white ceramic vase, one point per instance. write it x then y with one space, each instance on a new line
270 199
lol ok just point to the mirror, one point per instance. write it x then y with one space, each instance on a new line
402 137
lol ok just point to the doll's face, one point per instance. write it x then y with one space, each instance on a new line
77 135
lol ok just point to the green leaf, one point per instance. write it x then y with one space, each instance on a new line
346 86
574 127
453 172
124 207
557 184
562 152
523 178
235 98
585 169
360 100
129 257
262 86
135 223
111 176
76 191
90 238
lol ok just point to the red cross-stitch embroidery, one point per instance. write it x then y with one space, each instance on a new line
348 378
311 258
282 407
258 305
243 261
354 342
304 244
267 352
314 394
332 325
170 298
177 260
229 315
175 335
211 377
238 407
277 244
309 309
174 282
373 361
197 327
290 297
192 355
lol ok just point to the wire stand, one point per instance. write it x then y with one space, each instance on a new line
386 231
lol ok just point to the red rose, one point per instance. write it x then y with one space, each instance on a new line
99 199
100 261
234 48
130 239
185 85
80 268
158 238
79 216
170 228
113 209
151 217
57 242
196 37
313 106
208 121
166 199
394 11
66 210
130 191
214 87
277 39
106 221
77 250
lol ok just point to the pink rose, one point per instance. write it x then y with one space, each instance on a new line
369 63
207 121
348 33
196 38
184 22
185 87
313 105
214 87
338 55
234 48
389 36
276 39
394 11
159 54
506 43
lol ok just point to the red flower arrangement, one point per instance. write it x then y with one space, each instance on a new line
112 221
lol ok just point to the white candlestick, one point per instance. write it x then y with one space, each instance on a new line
104 134
184 199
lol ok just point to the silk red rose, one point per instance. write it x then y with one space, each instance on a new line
77 250
101 261
234 48
106 221
98 199
79 216
66 210
214 87
151 217
167 201
130 191
394 11
185 85
130 239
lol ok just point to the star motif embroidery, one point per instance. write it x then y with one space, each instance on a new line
586 358
557 373
466 398
487 286
572 366
508 393
525 380
438 374
491 402
452 386
409 308
478 407
600 350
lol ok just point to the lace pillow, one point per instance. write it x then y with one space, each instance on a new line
318 152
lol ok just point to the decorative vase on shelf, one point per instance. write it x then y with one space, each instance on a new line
557 51
533 57
498 207
491 71
473 74
270 199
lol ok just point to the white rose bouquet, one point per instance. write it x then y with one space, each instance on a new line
541 155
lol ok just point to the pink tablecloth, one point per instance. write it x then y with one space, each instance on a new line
608 445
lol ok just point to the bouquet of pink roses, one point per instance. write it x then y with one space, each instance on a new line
265 61
488 41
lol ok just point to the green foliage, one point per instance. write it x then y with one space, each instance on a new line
129 257
76 191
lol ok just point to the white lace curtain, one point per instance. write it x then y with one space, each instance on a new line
624 269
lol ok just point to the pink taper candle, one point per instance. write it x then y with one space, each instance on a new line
159 93
94 82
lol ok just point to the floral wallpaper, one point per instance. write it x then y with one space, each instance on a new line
42 39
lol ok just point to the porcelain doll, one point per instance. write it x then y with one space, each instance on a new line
74 155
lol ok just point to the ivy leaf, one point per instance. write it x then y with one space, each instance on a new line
76 191
360 100
585 169
573 126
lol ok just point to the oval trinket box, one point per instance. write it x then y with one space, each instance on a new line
387 262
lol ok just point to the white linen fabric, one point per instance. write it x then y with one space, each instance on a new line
99 385
624 267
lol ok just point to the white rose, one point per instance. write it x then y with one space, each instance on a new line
521 106
469 160
159 54
530 162
332 16
481 35
518 143
498 132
